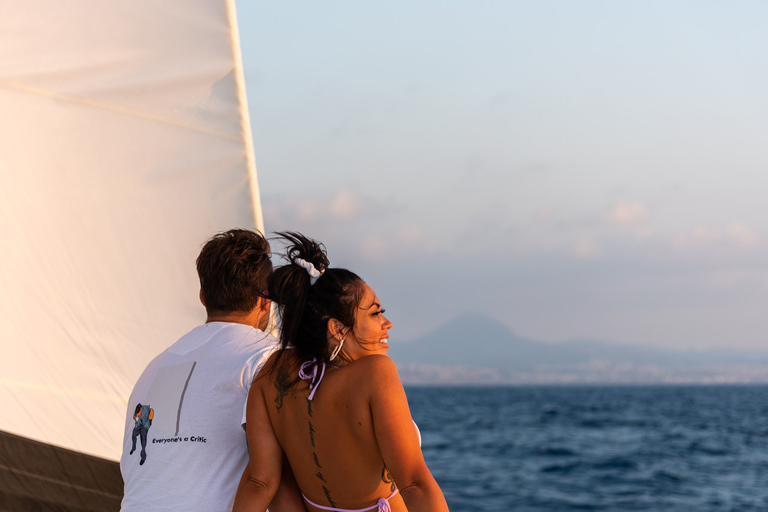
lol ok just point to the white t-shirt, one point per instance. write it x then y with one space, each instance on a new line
196 392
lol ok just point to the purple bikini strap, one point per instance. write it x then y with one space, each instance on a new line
303 375
381 506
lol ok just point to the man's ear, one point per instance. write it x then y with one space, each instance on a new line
263 303
202 300
335 327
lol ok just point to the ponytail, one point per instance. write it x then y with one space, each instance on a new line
308 294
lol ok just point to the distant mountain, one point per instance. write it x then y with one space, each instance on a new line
474 349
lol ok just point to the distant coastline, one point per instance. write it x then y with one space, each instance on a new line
443 375
476 350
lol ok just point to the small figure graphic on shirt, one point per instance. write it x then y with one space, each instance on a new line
143 417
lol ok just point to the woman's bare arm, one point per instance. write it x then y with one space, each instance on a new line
261 478
288 497
399 441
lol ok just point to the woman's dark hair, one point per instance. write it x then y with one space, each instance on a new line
306 308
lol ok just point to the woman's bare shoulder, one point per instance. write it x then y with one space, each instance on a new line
377 369
375 362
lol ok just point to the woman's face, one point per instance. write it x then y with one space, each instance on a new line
371 326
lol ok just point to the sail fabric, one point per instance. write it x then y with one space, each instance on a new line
124 144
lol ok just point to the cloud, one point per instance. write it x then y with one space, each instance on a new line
499 99
730 279
289 211
626 214
403 243
354 227
644 233
306 211
374 248
741 235
732 236
345 205
586 249
410 234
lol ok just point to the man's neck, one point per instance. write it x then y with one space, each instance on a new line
252 318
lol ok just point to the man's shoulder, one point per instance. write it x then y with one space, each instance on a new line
226 347
252 342
217 335
236 332
263 337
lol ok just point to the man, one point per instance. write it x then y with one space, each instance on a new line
196 390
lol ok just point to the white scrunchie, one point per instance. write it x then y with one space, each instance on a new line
314 274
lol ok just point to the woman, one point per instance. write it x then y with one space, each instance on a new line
331 399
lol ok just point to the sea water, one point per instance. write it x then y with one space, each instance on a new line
562 448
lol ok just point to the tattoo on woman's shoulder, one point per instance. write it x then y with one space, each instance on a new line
282 384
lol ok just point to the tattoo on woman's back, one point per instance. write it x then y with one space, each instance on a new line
386 477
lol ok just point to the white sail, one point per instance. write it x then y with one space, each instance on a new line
124 143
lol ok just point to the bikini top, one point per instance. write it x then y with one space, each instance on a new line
313 377
381 506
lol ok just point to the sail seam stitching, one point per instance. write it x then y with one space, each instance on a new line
245 119
114 108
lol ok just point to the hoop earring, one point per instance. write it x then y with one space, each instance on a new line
337 349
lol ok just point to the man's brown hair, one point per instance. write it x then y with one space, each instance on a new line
234 267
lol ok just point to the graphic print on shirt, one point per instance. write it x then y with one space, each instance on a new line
166 394
142 417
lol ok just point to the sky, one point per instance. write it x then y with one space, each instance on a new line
576 170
